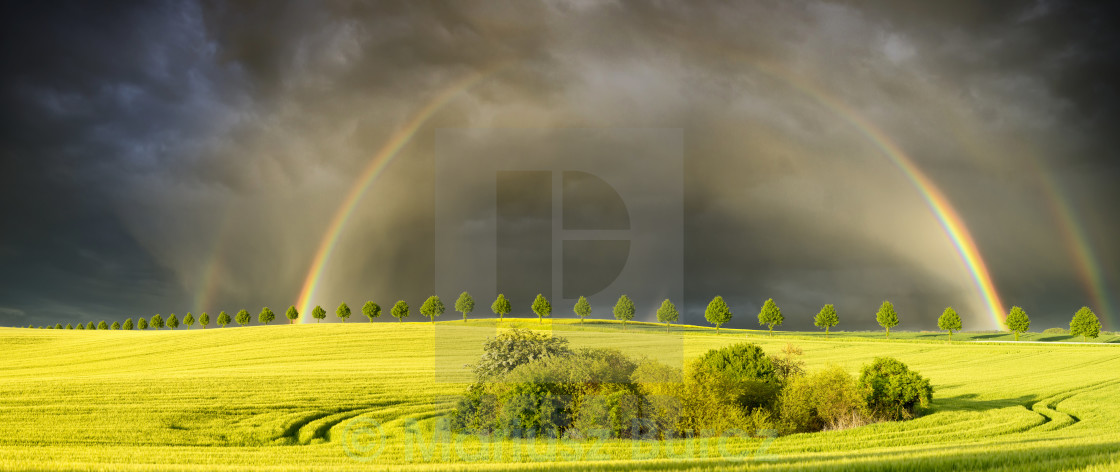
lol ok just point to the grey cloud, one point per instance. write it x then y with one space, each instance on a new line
143 141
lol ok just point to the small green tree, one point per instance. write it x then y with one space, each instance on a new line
501 306
887 317
949 321
243 317
770 315
667 313
624 310
156 322
432 308
582 308
266 316
204 320
541 307
69 326
717 312
90 325
826 318
464 305
223 319
1018 321
1085 324
141 323
128 326
343 311
101 325
116 325
292 314
172 321
188 320
371 310
57 326
318 313
399 310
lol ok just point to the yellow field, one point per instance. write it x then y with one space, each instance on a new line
366 396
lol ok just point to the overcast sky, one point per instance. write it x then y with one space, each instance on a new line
165 157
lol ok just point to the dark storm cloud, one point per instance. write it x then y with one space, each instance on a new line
162 156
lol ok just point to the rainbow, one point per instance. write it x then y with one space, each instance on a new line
208 280
942 209
376 165
1078 244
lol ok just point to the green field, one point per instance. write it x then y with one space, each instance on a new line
298 398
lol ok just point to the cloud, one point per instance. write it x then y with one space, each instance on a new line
175 154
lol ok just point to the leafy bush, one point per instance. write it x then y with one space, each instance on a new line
550 390
1055 331
829 399
515 347
893 391
743 370
788 365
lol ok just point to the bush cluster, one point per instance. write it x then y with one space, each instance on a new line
532 385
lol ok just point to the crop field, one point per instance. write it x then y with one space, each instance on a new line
360 396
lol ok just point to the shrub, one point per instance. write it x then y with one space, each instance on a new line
515 347
788 364
740 361
893 391
829 399
660 386
730 388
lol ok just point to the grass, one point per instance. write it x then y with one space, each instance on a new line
298 397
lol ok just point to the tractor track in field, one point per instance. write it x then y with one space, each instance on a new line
317 425
1056 419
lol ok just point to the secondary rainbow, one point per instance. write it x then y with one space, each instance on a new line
380 159
942 209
